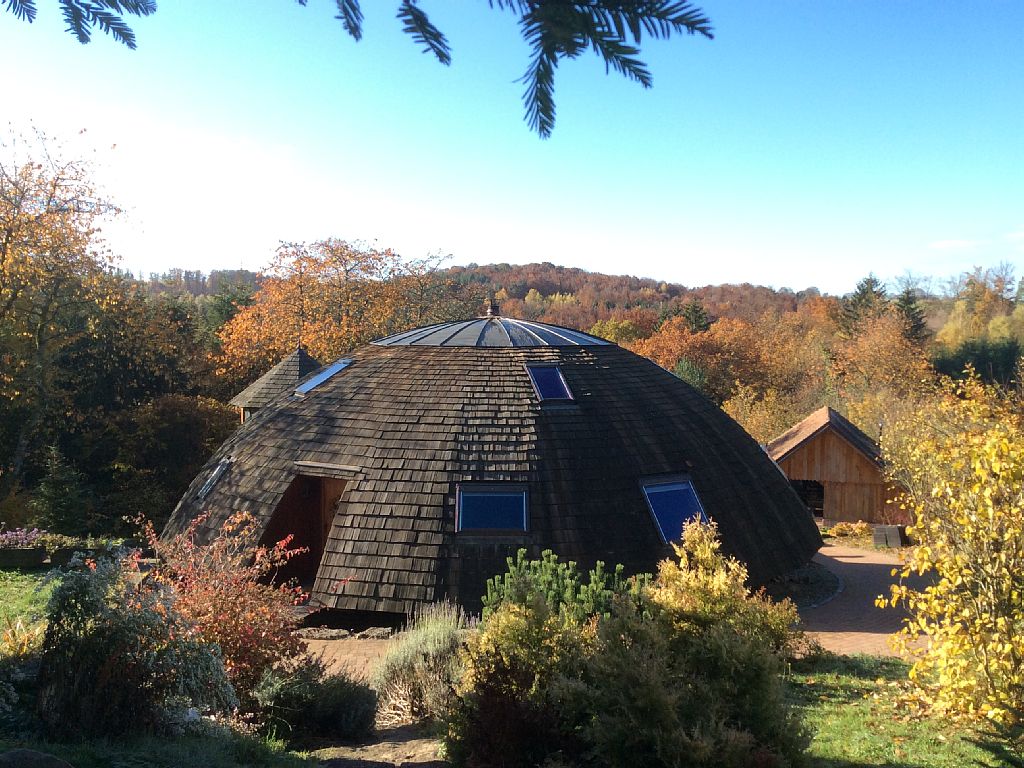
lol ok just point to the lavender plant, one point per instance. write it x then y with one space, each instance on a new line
17 538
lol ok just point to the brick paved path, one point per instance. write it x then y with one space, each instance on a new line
850 622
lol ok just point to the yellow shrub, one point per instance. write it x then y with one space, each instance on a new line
962 459
860 528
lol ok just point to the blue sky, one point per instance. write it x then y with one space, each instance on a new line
811 142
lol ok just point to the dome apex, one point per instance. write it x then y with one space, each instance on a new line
492 332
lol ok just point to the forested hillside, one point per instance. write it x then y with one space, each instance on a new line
113 388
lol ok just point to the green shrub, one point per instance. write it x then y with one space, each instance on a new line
416 677
700 675
303 698
117 657
506 712
684 671
559 585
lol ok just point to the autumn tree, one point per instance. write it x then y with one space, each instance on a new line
330 296
985 326
51 267
725 353
620 331
960 455
878 369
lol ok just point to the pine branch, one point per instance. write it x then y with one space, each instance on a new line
82 15
130 7
351 17
416 23
23 9
76 17
113 25
539 96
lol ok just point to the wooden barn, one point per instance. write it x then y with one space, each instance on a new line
836 469
414 466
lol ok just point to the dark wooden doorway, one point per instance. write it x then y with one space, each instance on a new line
812 494
306 512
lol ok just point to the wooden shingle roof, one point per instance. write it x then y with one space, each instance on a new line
409 422
280 379
822 419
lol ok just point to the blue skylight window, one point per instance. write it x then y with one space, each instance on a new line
548 382
673 504
491 507
315 381
213 478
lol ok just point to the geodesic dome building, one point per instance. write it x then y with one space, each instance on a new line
413 467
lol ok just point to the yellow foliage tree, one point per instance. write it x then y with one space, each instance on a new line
621 331
764 416
961 457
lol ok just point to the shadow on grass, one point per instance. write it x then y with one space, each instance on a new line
999 745
833 679
856 666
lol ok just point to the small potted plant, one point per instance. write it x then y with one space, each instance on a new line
21 548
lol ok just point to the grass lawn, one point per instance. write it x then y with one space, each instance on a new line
23 594
850 702
229 751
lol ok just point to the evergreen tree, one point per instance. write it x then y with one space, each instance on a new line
909 309
868 300
696 316
62 503
692 374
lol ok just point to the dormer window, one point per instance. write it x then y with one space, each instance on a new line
317 379
549 383
673 503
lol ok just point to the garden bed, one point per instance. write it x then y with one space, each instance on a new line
22 557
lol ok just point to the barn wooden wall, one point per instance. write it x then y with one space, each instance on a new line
855 488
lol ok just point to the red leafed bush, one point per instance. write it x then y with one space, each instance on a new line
226 589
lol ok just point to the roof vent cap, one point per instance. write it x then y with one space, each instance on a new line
491 306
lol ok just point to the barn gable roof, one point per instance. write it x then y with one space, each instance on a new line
280 379
822 419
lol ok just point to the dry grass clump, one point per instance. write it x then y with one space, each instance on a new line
416 677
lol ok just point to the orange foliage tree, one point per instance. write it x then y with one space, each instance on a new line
329 296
